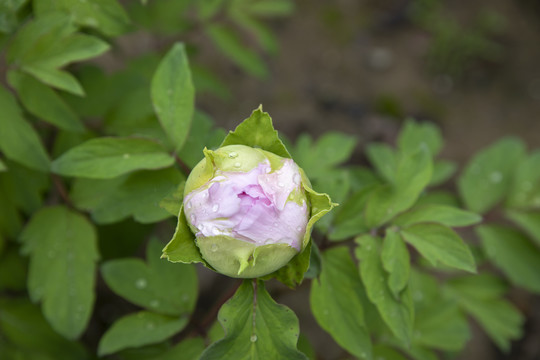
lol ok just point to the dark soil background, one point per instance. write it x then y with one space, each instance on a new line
361 67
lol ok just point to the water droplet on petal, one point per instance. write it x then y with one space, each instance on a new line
237 164
296 179
253 338
214 248
280 184
192 218
215 208
299 228
189 205
126 156
205 194
233 154
140 283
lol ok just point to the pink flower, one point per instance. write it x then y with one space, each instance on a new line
250 198
258 207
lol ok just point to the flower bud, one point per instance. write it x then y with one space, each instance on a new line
248 210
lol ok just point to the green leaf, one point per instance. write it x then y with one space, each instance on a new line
153 285
188 349
349 217
414 135
337 305
230 45
139 329
255 327
173 95
62 246
442 171
182 246
207 9
44 103
397 314
24 187
513 253
106 158
412 174
525 188
200 136
173 201
528 221
270 7
438 243
137 195
396 261
441 326
257 131
486 179
59 79
23 325
440 214
480 296
50 42
384 159
9 20
387 353
330 150
105 16
3 167
18 139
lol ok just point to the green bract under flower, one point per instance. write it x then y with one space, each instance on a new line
248 209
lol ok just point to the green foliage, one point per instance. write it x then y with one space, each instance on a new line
173 95
153 286
106 158
125 134
486 179
336 302
63 254
255 327
18 139
139 329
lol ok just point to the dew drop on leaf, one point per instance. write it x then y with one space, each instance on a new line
495 177
233 154
140 283
253 338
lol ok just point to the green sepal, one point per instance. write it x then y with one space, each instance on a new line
257 131
242 259
182 246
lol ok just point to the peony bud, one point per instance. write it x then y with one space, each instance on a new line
248 210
